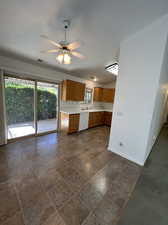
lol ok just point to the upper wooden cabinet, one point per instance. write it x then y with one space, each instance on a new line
73 91
104 94
98 94
108 94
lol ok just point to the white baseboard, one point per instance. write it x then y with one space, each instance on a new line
130 158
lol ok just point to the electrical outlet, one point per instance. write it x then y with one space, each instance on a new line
121 144
154 138
119 113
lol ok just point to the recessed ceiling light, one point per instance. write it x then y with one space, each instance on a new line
40 60
94 78
113 68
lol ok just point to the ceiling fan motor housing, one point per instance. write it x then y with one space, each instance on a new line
66 24
64 44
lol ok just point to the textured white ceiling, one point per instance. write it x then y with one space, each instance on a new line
99 25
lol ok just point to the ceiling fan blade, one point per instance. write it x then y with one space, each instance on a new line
73 45
52 42
78 55
51 51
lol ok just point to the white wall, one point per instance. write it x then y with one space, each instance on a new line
141 57
160 109
38 71
110 85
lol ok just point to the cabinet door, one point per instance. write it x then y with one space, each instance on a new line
96 119
73 123
101 118
68 89
63 90
79 92
91 119
98 94
108 94
107 118
113 94
73 91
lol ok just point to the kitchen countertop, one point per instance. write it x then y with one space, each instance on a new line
82 111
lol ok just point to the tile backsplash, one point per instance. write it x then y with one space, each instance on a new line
65 105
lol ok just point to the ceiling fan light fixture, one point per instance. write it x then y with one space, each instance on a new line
67 58
94 78
64 58
64 49
60 58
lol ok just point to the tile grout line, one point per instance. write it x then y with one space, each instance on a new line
76 194
43 190
20 203
129 197
50 200
92 211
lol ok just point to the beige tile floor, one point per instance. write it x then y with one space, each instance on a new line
61 179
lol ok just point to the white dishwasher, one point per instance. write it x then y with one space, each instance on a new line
83 121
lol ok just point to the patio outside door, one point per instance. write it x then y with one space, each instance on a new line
31 107
47 107
19 98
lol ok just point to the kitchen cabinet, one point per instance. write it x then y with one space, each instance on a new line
73 91
73 122
108 95
70 122
107 118
96 119
98 94
104 94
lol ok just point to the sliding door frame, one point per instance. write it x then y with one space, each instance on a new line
57 109
35 107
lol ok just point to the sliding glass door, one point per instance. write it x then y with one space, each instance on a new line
19 96
31 107
47 107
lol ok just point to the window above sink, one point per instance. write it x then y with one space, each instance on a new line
88 96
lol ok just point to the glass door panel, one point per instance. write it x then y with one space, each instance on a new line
47 107
19 96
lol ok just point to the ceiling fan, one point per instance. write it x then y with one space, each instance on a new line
64 49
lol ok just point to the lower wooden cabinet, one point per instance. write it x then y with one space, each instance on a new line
107 118
73 123
70 122
96 119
